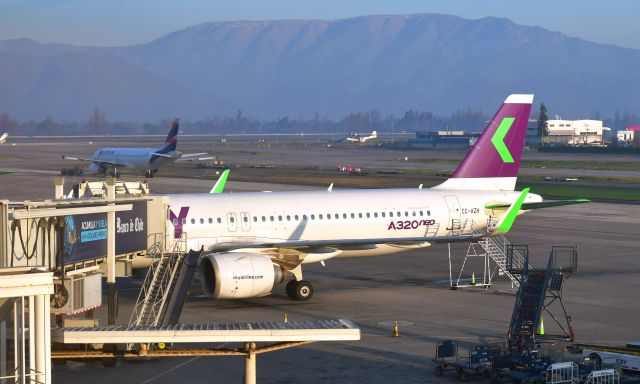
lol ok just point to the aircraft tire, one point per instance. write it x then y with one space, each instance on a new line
290 288
303 290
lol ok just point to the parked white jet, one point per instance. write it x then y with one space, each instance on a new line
3 138
254 241
362 139
148 160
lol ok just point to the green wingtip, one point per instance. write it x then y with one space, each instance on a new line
512 213
222 181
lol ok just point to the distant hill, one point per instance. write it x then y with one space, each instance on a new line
273 68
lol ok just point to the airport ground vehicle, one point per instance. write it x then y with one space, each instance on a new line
476 362
628 357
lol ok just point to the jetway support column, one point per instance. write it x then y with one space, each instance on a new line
111 253
250 363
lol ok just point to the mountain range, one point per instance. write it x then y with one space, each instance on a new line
433 62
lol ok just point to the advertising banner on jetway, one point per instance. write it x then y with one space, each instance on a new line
85 236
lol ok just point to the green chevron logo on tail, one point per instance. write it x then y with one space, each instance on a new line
498 139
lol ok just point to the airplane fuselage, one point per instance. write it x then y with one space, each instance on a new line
257 217
135 158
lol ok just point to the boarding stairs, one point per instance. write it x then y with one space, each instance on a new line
158 284
538 290
497 248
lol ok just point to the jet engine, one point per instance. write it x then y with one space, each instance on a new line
239 275
94 169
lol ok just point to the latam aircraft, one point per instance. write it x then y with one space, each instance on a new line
257 240
3 138
363 139
148 160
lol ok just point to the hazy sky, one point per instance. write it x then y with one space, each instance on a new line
125 22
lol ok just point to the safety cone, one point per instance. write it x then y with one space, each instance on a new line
396 333
541 326
473 278
286 319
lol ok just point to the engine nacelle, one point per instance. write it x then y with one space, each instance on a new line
94 169
238 275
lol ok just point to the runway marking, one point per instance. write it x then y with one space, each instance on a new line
171 370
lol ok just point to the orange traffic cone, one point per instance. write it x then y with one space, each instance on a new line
396 333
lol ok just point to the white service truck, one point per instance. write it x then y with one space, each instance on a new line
627 357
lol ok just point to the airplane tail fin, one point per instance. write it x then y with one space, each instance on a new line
493 162
171 142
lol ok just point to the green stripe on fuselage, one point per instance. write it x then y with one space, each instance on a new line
512 213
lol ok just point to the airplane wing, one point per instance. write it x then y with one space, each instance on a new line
203 156
343 244
101 162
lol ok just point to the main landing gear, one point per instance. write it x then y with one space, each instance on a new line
299 290
150 172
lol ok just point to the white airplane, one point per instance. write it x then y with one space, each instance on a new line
148 160
256 240
3 138
362 139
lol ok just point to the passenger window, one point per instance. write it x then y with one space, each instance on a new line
406 214
193 221
264 219
184 221
288 218
353 215
271 218
255 219
413 213
320 216
304 217
245 219
428 213
421 213
296 218
328 216
375 214
279 218
313 217
219 220
174 221
399 214
368 215
210 221
383 214
390 214
232 220
201 220
344 215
